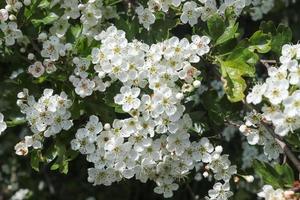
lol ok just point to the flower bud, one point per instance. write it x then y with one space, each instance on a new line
179 96
196 83
12 17
107 126
30 56
27 2
249 178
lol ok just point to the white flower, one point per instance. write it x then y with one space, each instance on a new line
178 142
202 150
292 103
102 176
276 91
52 49
166 188
146 17
272 149
3 125
49 66
21 194
200 44
60 122
128 98
154 5
91 15
285 122
84 142
84 87
3 15
93 125
268 193
60 27
190 13
11 32
165 101
220 192
294 68
37 69
21 149
209 9
256 94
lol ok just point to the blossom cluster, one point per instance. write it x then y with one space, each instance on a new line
155 139
132 147
91 15
47 116
191 11
280 92
257 134
269 193
154 142
136 64
260 7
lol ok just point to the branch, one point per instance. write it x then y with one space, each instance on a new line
268 62
192 194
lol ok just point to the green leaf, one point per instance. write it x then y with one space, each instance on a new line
293 141
50 18
232 72
260 42
234 88
283 36
44 4
55 166
243 54
230 33
36 158
64 168
131 27
76 31
268 27
214 109
267 173
50 154
82 46
279 176
16 122
30 10
216 26
286 174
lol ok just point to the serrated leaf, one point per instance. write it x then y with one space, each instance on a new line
268 174
50 154
286 174
228 34
64 167
233 72
55 166
283 36
216 26
260 42
50 18
36 158
44 4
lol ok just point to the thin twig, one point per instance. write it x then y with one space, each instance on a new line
192 194
268 63
48 181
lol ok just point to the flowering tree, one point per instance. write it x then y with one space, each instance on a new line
176 93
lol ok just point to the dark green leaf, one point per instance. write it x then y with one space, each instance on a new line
216 26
